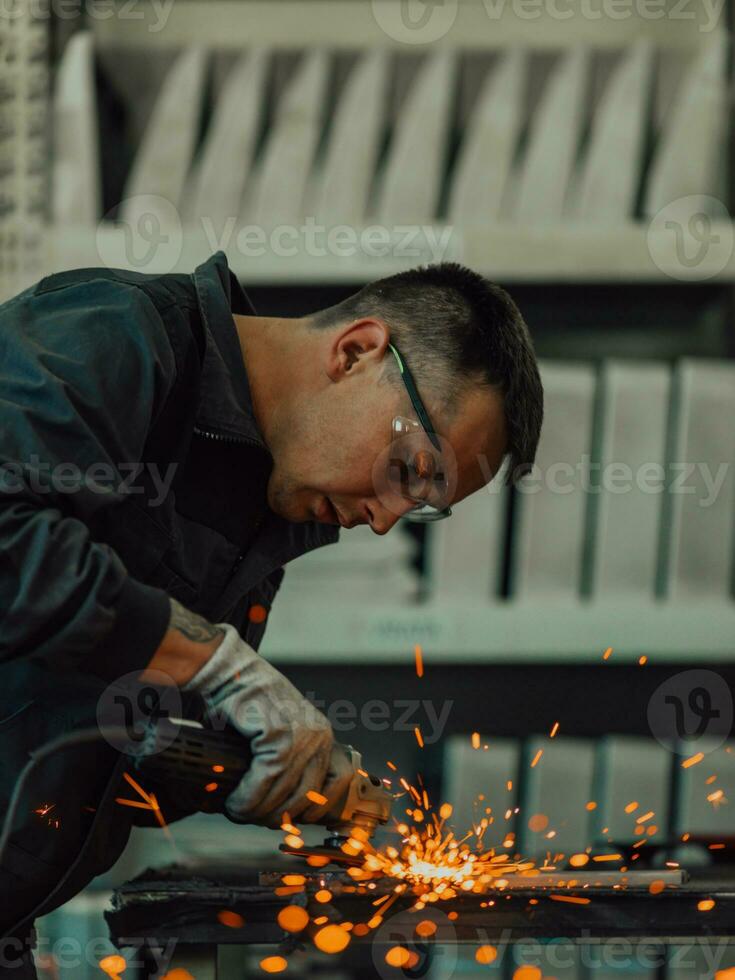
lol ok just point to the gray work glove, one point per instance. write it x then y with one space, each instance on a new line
290 740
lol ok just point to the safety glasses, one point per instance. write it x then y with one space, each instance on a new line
417 465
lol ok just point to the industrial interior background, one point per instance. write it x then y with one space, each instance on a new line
579 154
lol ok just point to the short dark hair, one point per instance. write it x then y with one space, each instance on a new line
454 327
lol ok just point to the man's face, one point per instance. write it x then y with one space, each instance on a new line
328 464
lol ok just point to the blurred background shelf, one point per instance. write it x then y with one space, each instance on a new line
348 23
566 253
465 632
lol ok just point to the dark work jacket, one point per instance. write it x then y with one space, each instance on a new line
125 375
107 377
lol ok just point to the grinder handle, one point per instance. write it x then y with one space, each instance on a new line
200 765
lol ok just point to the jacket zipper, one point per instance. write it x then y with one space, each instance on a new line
243 440
222 437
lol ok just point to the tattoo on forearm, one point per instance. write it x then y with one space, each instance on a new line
193 626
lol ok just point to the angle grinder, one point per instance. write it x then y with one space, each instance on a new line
203 766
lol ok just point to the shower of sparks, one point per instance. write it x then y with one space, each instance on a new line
433 863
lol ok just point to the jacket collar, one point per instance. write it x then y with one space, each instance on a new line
225 403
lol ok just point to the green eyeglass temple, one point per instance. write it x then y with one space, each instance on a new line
413 394
426 424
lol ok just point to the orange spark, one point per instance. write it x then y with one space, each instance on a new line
331 939
397 956
230 919
692 760
419 658
273 964
113 966
317 798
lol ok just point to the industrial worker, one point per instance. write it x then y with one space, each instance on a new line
165 451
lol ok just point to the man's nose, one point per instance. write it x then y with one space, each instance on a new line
382 518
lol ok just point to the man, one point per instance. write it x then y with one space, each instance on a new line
165 452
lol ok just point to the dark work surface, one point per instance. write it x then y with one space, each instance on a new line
183 902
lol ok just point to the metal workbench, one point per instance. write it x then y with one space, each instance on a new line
179 906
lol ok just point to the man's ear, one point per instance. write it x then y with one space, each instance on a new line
356 346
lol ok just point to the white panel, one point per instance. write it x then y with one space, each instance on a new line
413 173
612 169
464 554
633 770
166 151
688 156
219 180
281 180
486 155
361 564
554 141
559 786
697 815
702 510
76 190
551 501
635 411
469 772
354 142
